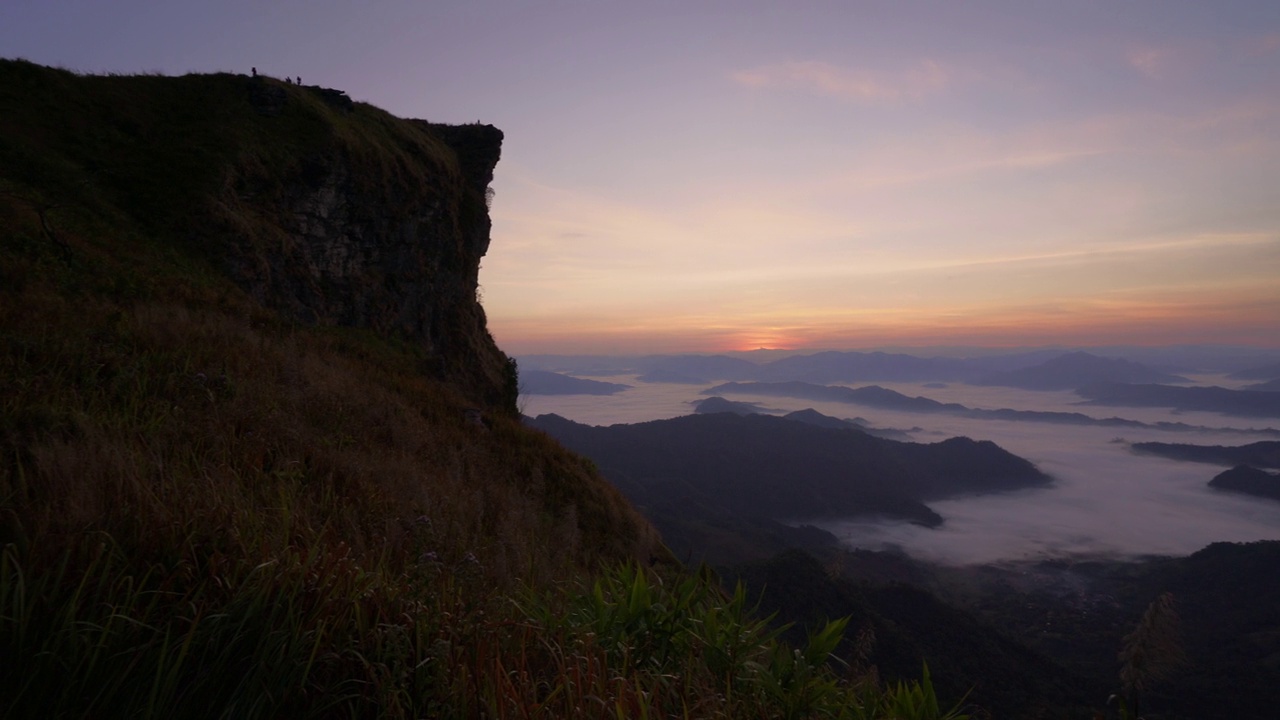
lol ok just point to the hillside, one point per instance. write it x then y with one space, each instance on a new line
260 457
243 362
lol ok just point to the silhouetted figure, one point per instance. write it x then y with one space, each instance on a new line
299 79
288 79
254 71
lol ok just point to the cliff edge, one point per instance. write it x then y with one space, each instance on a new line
239 316
334 212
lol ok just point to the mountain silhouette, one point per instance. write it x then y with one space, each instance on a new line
1077 369
1248 403
771 467
543 382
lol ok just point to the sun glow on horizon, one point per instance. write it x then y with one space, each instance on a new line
1116 320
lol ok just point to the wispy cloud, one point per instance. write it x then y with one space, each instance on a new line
1149 61
857 84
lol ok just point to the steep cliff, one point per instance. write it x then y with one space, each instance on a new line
239 326
332 211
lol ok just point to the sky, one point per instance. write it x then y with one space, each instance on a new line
715 176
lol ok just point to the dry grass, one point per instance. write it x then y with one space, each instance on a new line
190 420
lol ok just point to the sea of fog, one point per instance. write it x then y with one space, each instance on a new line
1105 500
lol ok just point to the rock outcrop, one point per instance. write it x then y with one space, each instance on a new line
367 243
334 212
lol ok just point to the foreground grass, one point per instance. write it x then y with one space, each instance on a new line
306 636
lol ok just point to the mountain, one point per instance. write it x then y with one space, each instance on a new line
878 397
259 454
1248 480
1269 386
1247 403
835 366
719 405
757 466
870 395
808 415
1077 369
813 417
1264 454
542 382
697 369
1270 371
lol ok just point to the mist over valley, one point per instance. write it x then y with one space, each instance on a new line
1105 500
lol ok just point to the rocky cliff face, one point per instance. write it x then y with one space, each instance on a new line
334 212
370 243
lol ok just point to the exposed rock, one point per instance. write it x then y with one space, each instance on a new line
362 237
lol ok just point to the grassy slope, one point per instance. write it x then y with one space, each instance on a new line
207 510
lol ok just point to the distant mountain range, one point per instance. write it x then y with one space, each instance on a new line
875 366
1044 368
1247 403
884 398
1270 371
1078 369
813 417
1269 386
541 382
698 369
1264 454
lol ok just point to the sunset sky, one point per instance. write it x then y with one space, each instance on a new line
711 176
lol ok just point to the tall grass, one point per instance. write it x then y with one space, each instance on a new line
307 636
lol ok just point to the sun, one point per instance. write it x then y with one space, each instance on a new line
760 340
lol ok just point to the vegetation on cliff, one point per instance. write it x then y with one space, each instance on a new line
259 455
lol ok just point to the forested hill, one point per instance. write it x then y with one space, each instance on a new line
729 471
